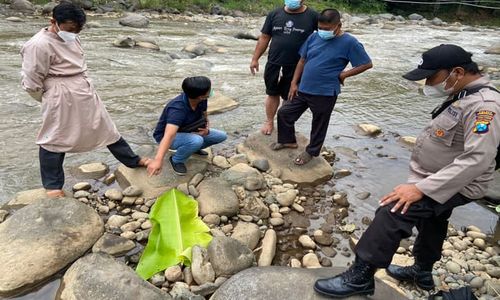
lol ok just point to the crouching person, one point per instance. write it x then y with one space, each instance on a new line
184 126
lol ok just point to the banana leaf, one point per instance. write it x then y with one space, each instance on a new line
176 229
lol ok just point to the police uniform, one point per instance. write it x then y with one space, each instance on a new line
452 163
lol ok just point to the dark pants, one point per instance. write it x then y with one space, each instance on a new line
381 240
51 163
321 108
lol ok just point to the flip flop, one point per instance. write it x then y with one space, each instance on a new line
303 159
279 146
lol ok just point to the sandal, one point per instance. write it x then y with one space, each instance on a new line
279 146
303 159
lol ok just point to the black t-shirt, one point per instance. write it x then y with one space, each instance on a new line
288 32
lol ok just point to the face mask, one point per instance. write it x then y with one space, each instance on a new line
66 35
293 4
326 35
439 89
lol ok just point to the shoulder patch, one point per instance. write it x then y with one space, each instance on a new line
483 121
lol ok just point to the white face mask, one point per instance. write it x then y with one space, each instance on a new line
439 90
66 35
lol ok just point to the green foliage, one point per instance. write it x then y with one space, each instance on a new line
176 228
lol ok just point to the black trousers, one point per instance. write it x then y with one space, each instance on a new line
51 163
321 108
381 240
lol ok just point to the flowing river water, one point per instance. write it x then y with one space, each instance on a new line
135 84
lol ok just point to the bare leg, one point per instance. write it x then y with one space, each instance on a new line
272 104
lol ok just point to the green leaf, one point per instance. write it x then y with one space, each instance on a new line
176 228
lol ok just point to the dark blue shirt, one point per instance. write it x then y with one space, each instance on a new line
178 112
325 60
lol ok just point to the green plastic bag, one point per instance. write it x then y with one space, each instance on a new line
176 229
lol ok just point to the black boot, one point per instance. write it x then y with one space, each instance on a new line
357 280
415 273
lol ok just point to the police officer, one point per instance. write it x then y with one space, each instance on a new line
452 163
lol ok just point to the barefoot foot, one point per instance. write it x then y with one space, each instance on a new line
267 127
53 194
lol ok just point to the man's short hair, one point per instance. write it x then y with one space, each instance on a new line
330 16
197 86
67 11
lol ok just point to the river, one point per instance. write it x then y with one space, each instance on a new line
136 83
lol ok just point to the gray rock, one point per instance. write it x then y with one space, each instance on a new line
181 291
81 194
287 198
47 8
130 226
341 173
196 49
269 283
253 183
493 50
196 179
116 221
211 219
82 186
415 17
369 129
221 103
113 245
453 267
124 42
248 35
228 256
317 171
476 282
157 185
217 197
221 162
134 20
363 195
188 275
238 159
132 191
27 197
276 221
139 215
99 276
114 195
174 273
193 191
247 233
268 248
93 170
261 165
254 206
307 242
341 199
55 232
22 5
437 21
201 268
183 187
239 174
158 280
204 289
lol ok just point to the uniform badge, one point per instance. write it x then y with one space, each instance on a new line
483 121
439 132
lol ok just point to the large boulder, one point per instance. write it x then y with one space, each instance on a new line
288 283
42 238
220 103
99 276
22 5
493 193
134 20
27 197
317 171
493 49
229 256
240 173
217 197
156 185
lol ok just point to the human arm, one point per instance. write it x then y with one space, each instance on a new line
260 48
35 68
354 71
294 85
155 166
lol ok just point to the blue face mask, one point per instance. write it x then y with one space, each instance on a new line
293 4
326 35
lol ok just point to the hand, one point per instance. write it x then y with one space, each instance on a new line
294 91
254 66
342 77
154 167
405 195
203 131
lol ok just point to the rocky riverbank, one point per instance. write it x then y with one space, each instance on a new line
259 215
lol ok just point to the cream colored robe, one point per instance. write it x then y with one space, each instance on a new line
74 118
